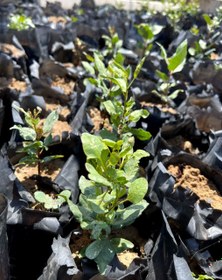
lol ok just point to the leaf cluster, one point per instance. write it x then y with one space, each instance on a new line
37 136
20 22
113 45
175 64
115 81
49 202
112 196
148 33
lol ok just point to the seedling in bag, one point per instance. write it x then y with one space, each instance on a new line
37 136
112 197
115 81
175 64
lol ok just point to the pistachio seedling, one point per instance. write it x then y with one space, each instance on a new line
37 137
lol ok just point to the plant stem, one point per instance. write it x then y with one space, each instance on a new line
123 119
39 168
39 162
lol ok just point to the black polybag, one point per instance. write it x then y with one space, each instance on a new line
167 259
200 220
4 258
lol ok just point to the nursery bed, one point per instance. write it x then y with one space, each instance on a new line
46 67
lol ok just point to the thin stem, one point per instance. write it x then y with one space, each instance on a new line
39 168
123 118
39 161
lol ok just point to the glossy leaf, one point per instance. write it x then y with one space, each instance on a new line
177 61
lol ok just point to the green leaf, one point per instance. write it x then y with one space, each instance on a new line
94 249
145 31
48 140
138 68
140 133
99 64
136 115
92 81
157 28
99 228
128 215
118 70
105 257
87 187
137 190
175 93
50 158
127 146
109 138
114 158
109 106
32 147
40 196
88 67
163 53
48 201
27 133
96 177
121 82
29 159
138 154
119 58
65 195
208 20
93 146
177 61
162 76
94 205
75 210
121 244
131 167
50 121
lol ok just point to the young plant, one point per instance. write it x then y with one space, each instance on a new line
49 202
175 64
204 46
112 196
147 32
114 81
201 50
113 45
20 22
176 10
37 136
